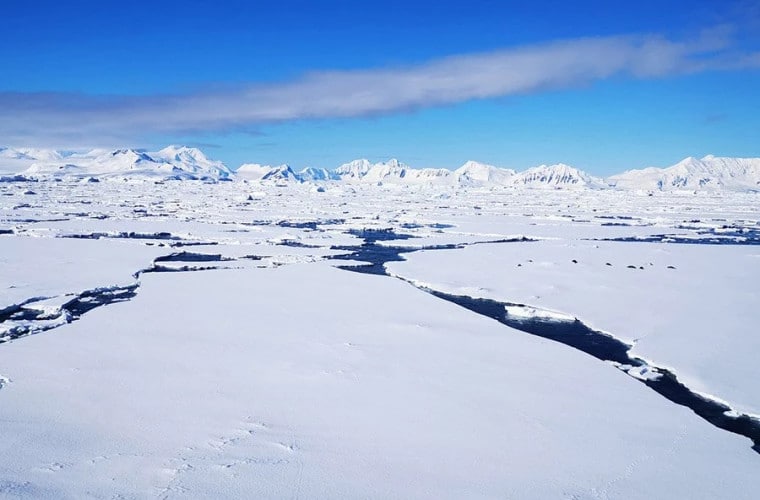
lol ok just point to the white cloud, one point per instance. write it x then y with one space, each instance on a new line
78 119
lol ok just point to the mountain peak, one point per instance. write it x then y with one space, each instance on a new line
173 162
476 173
178 152
258 172
692 174
557 175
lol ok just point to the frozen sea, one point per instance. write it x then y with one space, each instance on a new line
246 340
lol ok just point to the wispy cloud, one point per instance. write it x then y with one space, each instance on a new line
80 119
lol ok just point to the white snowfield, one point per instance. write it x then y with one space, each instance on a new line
710 173
198 339
692 308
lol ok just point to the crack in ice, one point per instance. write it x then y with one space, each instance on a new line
568 330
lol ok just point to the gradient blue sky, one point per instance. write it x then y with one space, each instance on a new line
83 73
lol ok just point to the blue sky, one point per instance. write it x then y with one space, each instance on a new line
605 86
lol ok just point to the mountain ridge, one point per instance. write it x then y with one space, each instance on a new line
694 174
709 173
172 162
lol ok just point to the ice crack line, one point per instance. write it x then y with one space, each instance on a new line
39 314
572 332
35 316
605 347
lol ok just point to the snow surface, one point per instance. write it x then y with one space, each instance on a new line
698 319
214 384
248 365
50 267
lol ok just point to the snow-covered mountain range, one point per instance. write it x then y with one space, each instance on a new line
693 174
471 174
281 173
184 163
172 162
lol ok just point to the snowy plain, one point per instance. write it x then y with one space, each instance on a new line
247 361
